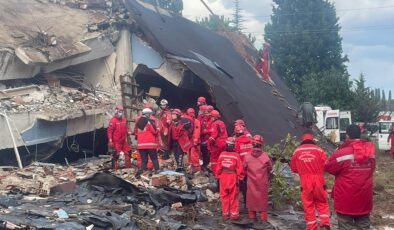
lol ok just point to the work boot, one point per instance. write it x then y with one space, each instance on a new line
138 174
156 172
180 169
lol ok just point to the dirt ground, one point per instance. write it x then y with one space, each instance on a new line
382 216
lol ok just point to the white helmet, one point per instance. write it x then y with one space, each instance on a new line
146 111
164 102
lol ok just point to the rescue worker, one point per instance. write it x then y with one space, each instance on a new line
308 161
201 101
117 132
194 153
390 139
164 125
206 131
210 108
258 167
353 164
217 140
147 141
180 141
241 123
229 172
243 145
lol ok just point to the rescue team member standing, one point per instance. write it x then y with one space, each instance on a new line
205 121
391 139
147 144
180 141
194 153
217 141
117 132
258 167
164 126
308 161
229 172
353 164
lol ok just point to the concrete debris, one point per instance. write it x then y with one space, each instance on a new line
47 98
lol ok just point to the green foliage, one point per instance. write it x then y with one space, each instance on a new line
175 6
281 192
252 39
305 41
366 104
330 87
216 23
238 18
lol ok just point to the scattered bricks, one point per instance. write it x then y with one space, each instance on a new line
158 180
200 181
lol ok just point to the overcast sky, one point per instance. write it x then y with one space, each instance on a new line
367 31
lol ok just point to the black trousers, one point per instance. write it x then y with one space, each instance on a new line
152 153
205 156
178 154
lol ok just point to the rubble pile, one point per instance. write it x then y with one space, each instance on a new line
46 99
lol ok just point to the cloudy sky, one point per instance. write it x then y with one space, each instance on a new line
367 31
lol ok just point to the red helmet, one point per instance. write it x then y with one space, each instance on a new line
239 122
191 112
177 112
210 108
258 139
148 106
239 129
119 107
230 141
201 99
215 113
307 136
203 108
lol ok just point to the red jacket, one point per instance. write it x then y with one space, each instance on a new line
308 159
243 145
390 138
218 134
164 121
230 162
196 135
180 134
117 130
353 164
206 129
146 132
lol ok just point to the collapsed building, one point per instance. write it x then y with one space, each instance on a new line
65 64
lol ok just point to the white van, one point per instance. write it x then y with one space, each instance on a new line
333 123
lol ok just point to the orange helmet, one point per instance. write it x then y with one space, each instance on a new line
119 107
201 100
258 139
210 108
177 112
239 129
230 141
215 113
191 112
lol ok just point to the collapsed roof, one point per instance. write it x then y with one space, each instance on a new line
237 89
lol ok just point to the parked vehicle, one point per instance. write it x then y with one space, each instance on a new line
333 123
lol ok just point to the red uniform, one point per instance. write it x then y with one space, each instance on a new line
353 164
164 126
229 172
205 134
180 140
258 167
243 145
217 142
308 161
117 134
391 140
194 153
147 141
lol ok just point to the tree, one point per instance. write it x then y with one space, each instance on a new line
237 17
330 87
384 102
366 105
305 41
216 23
175 6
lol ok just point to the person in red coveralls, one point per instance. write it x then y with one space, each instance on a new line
147 141
308 161
201 101
243 145
180 141
217 140
164 125
205 121
391 139
258 168
353 164
117 132
229 172
264 66
194 153
240 122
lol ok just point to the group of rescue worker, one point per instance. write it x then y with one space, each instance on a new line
240 164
